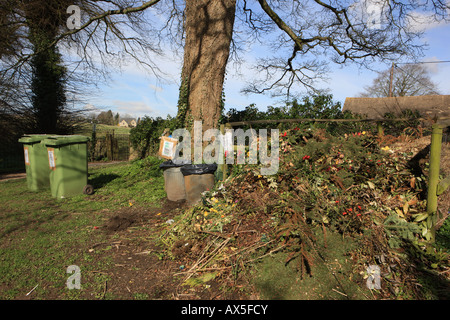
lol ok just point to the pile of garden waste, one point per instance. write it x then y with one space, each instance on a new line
355 187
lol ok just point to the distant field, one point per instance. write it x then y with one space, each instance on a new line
101 129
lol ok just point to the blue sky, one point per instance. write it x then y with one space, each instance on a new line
138 93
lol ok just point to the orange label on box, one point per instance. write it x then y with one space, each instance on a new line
27 159
51 158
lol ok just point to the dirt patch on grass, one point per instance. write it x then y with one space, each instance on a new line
139 268
137 216
136 270
11 176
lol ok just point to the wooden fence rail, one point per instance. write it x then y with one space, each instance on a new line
243 123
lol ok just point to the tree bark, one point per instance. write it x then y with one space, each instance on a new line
209 29
48 74
47 89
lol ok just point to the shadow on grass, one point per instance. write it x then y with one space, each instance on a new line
102 179
437 285
30 217
438 288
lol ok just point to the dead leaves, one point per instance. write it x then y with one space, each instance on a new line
337 181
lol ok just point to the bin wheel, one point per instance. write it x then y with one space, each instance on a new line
88 189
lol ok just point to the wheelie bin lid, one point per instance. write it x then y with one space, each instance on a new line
33 138
56 141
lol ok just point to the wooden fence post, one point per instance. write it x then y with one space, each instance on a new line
108 142
93 143
380 129
433 176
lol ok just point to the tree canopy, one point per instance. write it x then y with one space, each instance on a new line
299 40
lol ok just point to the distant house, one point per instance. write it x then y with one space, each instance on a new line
430 106
127 123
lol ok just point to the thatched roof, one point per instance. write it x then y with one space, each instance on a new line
375 108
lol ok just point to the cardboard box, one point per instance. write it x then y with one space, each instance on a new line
167 147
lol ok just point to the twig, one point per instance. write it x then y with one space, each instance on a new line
97 244
101 272
247 231
199 259
251 247
264 255
193 269
101 243
31 290
144 252
104 290
216 234
339 292
211 269
216 251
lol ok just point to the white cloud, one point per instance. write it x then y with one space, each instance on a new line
420 22
135 108
89 108
432 67
155 88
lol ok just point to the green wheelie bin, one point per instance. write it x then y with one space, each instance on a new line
68 162
36 161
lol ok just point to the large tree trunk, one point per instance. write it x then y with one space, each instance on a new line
209 28
48 89
48 74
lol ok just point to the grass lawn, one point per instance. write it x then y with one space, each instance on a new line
101 129
131 243
41 236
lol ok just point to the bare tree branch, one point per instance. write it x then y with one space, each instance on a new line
104 16
343 31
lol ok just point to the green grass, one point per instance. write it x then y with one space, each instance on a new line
37 240
141 182
41 236
330 279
